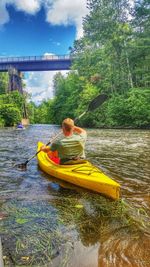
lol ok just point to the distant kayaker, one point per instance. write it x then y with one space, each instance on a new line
70 146
20 126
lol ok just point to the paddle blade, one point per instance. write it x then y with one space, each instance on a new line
21 166
97 101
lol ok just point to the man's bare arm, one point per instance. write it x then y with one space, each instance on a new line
79 130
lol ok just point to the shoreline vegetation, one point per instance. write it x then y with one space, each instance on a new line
113 58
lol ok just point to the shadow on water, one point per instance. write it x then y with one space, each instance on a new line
47 222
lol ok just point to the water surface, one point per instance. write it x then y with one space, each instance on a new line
47 222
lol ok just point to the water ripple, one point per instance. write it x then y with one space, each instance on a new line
124 155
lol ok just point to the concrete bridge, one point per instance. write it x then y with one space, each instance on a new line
36 63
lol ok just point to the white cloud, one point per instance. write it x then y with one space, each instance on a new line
58 12
68 12
48 55
4 16
28 6
40 85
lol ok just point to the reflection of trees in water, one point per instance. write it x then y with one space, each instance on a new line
90 214
125 249
96 219
99 220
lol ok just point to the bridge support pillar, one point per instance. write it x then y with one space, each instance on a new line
15 80
15 84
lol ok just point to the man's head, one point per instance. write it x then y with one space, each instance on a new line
67 126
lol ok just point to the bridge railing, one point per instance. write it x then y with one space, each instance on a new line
34 58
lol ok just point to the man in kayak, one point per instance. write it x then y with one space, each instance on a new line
70 146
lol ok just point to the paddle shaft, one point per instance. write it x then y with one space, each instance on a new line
53 139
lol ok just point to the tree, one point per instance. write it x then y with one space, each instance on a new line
3 83
10 115
11 108
138 104
140 53
67 98
107 33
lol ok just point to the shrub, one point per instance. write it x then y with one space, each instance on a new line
139 107
117 111
2 122
10 115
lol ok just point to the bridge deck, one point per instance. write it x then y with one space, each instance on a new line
36 63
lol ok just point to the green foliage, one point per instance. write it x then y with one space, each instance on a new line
42 113
117 111
67 98
88 93
14 98
111 57
132 109
10 115
2 122
11 108
31 112
139 107
3 82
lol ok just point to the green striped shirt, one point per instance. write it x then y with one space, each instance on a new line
69 147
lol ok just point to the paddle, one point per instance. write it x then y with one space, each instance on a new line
95 103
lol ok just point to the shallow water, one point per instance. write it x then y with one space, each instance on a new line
47 222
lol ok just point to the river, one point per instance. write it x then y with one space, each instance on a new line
47 222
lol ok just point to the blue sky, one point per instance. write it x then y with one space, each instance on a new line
31 35
38 27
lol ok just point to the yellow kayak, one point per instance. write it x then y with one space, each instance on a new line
83 174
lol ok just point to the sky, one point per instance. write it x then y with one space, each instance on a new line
39 27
